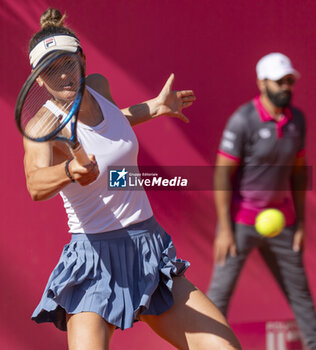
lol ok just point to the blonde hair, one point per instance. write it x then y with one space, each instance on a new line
52 17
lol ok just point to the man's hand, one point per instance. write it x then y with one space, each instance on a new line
224 244
298 240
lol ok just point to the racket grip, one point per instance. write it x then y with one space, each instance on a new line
81 156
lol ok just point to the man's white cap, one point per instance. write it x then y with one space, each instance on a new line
275 66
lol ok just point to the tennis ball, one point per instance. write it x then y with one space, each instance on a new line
270 222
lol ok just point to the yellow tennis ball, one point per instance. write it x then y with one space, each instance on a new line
270 222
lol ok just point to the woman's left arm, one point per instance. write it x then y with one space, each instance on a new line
168 102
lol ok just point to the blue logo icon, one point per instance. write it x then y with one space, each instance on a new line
118 178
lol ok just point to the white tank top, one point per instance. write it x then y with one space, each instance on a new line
95 208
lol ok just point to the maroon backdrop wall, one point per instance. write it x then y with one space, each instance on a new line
212 47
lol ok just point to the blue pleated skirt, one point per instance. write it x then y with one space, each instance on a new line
120 275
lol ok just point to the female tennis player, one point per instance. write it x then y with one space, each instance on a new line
120 265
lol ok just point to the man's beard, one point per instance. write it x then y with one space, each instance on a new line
280 99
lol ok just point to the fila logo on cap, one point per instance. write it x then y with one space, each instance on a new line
49 42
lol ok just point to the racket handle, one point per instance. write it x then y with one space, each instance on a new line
81 156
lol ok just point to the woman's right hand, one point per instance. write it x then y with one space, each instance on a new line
84 175
224 244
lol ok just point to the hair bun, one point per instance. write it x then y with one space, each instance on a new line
52 17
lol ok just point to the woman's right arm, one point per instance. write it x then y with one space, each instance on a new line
45 180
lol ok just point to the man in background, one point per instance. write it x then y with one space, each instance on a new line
260 164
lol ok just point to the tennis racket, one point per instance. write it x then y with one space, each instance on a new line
50 99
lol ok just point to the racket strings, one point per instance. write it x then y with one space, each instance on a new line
49 121
57 84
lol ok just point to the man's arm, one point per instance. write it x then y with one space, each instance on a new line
298 184
223 177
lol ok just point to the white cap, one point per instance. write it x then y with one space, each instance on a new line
52 43
275 66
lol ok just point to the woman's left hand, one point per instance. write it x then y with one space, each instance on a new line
171 103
